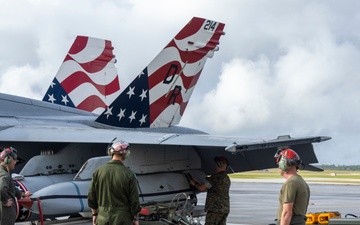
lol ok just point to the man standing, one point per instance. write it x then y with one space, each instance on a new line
8 158
217 204
295 193
113 194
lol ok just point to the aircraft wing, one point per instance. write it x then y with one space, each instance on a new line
83 134
244 153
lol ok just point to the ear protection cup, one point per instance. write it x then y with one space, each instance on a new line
7 160
127 154
283 164
221 161
8 154
218 162
110 151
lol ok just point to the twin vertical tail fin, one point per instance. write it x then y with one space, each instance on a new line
158 96
87 78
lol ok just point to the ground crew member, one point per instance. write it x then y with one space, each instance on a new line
217 204
295 193
113 194
8 159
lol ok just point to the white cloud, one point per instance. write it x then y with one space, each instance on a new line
238 101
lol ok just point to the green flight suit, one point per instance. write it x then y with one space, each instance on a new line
8 190
114 192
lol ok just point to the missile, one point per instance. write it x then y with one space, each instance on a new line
70 197
59 199
33 184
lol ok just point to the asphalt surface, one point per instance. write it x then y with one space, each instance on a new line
255 202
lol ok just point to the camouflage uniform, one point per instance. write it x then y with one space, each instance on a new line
8 190
114 192
217 205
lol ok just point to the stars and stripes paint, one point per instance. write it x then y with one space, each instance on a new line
87 78
158 96
23 214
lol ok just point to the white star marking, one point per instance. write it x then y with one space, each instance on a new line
131 91
142 73
121 114
143 119
23 217
108 112
132 117
51 98
64 99
143 94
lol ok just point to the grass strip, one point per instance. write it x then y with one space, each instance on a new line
326 175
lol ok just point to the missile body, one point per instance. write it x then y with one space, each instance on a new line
71 197
62 198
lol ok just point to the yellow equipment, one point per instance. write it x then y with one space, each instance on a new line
321 217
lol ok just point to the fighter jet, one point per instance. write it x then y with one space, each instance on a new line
56 140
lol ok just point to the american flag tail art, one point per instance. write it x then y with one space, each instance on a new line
87 78
159 94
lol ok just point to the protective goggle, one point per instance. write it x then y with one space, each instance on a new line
278 155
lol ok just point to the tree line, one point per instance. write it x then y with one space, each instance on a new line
340 167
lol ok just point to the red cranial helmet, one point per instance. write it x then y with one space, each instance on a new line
8 154
287 158
221 160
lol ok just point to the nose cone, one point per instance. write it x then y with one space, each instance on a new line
62 198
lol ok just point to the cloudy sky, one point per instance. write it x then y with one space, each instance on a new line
284 67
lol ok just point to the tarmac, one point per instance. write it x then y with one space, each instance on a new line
255 201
